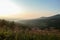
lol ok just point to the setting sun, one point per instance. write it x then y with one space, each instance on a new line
8 8
29 19
28 9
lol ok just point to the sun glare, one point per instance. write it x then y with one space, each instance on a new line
8 8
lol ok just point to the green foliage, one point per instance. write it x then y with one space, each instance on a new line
14 31
9 35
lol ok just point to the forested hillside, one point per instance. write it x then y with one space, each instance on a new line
41 29
44 22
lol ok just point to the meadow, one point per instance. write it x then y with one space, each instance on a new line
29 34
12 31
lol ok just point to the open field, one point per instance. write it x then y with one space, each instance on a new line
29 34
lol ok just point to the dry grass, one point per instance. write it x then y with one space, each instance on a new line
27 34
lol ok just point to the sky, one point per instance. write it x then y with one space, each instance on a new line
28 9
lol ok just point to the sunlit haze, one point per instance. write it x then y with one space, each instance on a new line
8 8
28 9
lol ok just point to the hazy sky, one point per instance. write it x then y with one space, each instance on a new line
28 9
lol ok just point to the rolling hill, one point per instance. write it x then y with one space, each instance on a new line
43 22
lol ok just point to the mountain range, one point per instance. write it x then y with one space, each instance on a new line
43 22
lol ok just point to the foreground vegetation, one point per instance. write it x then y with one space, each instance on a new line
29 35
15 31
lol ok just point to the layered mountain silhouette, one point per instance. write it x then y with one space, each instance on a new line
44 22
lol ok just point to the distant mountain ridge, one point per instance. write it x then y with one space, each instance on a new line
43 22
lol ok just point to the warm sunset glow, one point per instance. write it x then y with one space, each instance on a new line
32 15
28 9
9 8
